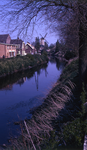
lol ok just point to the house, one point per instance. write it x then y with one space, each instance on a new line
30 49
5 38
7 50
20 46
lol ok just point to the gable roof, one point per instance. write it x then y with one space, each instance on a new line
17 41
3 38
31 46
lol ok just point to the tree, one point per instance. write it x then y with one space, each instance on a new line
57 46
51 46
37 44
46 45
58 12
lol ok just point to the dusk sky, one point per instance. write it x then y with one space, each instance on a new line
40 28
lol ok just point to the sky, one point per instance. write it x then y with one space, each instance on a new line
39 29
51 38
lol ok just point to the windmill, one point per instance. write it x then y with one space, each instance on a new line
43 40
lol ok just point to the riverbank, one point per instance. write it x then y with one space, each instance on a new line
12 65
58 121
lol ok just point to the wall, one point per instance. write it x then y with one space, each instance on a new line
2 50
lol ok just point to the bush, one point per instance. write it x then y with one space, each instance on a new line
10 65
69 55
74 132
44 53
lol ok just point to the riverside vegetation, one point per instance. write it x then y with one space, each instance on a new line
19 63
60 119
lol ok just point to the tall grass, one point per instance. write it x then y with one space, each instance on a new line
11 65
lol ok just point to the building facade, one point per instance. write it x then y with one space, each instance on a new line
30 49
20 46
7 50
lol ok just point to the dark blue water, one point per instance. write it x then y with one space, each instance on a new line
23 91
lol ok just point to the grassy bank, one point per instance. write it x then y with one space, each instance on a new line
15 64
58 121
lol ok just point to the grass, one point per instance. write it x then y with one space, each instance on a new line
15 64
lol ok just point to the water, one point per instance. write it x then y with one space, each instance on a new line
21 92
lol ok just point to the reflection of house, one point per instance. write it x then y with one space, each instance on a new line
21 81
8 87
20 46
6 49
30 49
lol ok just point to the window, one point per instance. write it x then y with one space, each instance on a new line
8 47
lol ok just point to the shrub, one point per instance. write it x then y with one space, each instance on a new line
69 55
9 65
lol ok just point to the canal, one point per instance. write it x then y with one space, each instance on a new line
21 92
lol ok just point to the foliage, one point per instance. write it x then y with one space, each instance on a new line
57 46
69 54
46 45
51 46
44 53
11 65
74 132
37 43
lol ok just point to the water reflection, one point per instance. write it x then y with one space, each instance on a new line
21 81
23 91
20 77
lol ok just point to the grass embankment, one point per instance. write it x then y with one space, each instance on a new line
58 121
15 64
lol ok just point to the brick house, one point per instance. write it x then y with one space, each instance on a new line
6 49
5 38
20 46
30 49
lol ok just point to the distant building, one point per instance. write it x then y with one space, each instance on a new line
6 49
42 42
20 46
30 49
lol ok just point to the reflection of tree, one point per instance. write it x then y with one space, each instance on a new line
46 72
12 79
52 60
36 79
39 71
57 64
8 87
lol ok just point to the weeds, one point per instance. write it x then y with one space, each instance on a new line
11 65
